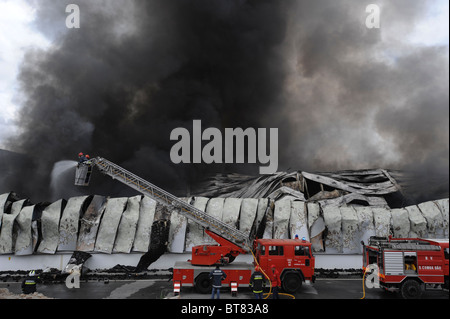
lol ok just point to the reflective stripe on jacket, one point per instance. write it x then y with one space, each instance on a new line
28 285
257 282
217 276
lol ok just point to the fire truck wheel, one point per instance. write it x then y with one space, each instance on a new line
411 289
291 282
203 283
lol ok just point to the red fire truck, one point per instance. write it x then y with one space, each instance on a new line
291 257
408 264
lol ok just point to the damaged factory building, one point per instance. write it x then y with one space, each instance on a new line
335 211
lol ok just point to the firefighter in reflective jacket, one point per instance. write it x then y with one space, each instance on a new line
29 283
217 275
257 283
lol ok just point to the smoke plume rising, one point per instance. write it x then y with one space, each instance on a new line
342 96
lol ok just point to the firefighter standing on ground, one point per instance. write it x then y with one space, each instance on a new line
29 283
257 283
276 283
217 275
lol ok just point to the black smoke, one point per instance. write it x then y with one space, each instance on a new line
342 96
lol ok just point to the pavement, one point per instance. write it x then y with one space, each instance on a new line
161 289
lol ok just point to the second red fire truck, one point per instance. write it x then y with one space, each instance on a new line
407 264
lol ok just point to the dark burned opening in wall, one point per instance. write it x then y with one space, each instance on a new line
37 214
12 197
158 244
398 200
358 202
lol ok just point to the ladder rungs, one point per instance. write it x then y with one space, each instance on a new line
168 199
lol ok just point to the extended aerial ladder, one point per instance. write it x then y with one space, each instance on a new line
231 241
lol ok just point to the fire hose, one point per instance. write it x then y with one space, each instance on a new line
363 283
267 294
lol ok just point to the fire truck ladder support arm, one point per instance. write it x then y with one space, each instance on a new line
198 216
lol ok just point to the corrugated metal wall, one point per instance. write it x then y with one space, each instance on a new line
123 225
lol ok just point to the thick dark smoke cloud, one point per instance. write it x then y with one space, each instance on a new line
342 96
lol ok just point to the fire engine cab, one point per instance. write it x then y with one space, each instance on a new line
408 264
292 258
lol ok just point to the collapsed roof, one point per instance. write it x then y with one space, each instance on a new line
369 187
